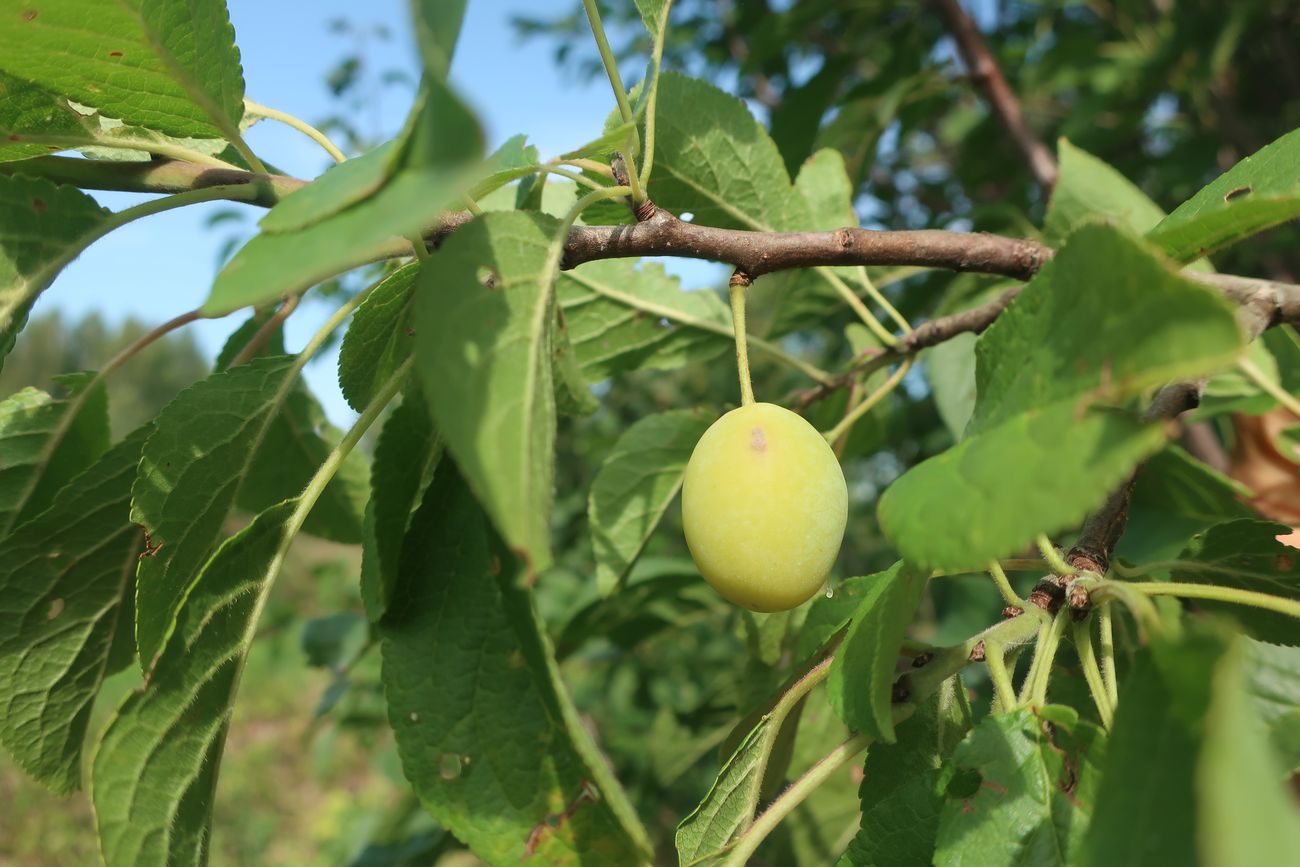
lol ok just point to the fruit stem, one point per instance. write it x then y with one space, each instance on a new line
739 283
1004 693
1106 635
1034 690
1091 671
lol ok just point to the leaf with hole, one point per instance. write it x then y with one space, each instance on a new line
1260 192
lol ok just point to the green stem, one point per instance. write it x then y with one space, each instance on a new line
1003 584
737 293
851 298
1091 671
1106 635
576 177
877 296
850 419
620 96
1034 690
652 99
1143 609
749 841
299 124
592 166
418 247
230 192
674 315
1219 593
1004 693
1053 557
1270 387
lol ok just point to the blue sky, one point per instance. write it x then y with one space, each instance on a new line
161 266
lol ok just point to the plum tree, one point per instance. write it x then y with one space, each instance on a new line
764 506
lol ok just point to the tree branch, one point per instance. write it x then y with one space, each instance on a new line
988 78
1264 303
759 253
153 176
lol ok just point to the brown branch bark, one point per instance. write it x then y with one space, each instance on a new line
988 78
759 253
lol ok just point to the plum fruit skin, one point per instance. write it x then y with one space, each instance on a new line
764 506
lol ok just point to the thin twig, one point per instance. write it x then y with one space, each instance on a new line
988 78
269 327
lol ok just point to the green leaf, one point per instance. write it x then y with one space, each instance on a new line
202 449
155 772
573 395
624 316
634 487
862 676
950 368
903 784
1274 674
1187 756
166 65
513 160
406 455
1245 554
992 493
45 442
484 313
295 443
26 108
34 121
42 228
1147 326
63 579
379 338
1260 192
713 159
1248 817
1176 496
728 808
493 756
437 27
612 140
337 189
1088 187
652 13
1036 786
428 172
